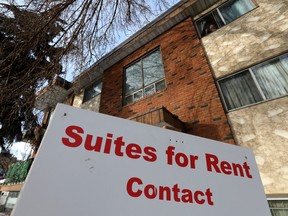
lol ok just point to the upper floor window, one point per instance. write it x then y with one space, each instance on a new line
92 90
144 77
262 82
223 15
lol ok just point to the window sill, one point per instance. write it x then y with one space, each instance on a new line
144 98
255 104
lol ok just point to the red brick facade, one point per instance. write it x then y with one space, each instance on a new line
191 93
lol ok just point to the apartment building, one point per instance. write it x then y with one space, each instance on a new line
210 68
248 57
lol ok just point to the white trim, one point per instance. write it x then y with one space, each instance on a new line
221 17
278 198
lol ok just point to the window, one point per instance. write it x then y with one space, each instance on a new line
92 91
144 77
262 82
278 207
223 15
11 200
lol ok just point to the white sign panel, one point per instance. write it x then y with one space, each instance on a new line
94 164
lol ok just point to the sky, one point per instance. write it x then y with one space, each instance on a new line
21 150
70 68
71 74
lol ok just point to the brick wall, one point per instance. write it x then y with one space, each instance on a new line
191 93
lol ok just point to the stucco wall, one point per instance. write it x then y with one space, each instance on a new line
254 37
264 128
92 105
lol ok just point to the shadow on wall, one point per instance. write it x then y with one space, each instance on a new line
209 131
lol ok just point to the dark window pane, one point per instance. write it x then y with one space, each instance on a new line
92 91
133 78
239 90
129 99
235 8
153 68
273 77
209 23
149 90
218 20
160 85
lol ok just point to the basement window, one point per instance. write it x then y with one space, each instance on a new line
92 90
144 77
224 14
265 81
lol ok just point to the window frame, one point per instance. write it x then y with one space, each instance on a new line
277 199
264 99
95 83
143 86
217 10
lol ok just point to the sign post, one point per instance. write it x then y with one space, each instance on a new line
93 164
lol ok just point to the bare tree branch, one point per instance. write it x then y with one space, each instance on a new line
37 36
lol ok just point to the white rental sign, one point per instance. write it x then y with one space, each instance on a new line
94 164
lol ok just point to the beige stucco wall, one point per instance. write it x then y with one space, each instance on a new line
92 105
264 129
254 37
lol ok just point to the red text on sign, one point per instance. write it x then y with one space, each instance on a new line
180 158
227 168
135 188
76 137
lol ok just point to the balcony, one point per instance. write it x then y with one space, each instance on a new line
160 117
56 92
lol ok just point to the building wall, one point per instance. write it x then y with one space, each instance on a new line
253 38
92 105
191 93
264 128
258 35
